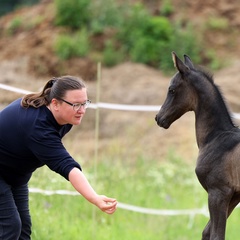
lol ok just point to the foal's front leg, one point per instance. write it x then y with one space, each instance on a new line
218 203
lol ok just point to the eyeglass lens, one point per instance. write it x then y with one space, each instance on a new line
85 105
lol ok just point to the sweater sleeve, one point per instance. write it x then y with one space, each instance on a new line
46 145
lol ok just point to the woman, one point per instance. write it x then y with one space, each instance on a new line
31 130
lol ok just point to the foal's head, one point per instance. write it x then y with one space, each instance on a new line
181 96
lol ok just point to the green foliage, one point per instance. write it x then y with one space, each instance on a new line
73 13
183 41
218 23
14 25
105 14
111 57
134 20
167 8
150 39
140 36
37 20
155 34
19 24
72 45
214 62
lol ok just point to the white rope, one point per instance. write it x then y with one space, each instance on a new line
13 89
96 105
152 211
125 107
113 106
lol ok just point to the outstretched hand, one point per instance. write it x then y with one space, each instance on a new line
81 184
106 204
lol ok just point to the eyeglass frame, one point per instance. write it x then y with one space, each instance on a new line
84 105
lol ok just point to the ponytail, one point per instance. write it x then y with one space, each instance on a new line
54 88
37 100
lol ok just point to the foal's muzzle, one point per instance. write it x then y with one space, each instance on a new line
162 122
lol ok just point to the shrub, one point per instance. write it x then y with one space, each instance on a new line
156 33
150 39
167 8
105 14
75 45
14 25
144 35
130 30
111 56
74 13
183 41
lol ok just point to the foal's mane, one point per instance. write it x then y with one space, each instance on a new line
207 74
220 97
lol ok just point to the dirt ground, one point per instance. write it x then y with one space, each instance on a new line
127 83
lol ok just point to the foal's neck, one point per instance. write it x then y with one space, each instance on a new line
212 116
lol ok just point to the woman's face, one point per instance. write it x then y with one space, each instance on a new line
64 112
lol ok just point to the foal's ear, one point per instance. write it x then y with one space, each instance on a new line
182 68
188 61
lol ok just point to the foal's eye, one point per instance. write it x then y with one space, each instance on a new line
171 91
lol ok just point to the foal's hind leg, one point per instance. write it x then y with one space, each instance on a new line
233 203
206 231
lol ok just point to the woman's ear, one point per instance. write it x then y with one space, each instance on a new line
55 104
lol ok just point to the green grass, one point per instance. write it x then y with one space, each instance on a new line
144 183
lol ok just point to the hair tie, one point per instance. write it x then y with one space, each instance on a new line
54 79
51 82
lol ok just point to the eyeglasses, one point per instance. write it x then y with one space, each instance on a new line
77 106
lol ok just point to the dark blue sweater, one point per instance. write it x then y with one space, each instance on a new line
30 138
